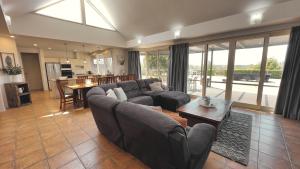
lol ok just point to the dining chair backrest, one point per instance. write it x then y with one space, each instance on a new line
61 87
82 77
101 80
80 81
109 79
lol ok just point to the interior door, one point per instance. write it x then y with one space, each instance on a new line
32 70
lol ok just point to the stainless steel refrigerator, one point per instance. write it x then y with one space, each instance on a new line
53 71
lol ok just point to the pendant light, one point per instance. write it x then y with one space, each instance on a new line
84 61
67 52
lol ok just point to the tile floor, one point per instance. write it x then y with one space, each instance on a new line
38 136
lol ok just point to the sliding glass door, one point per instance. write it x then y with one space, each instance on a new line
246 75
196 70
246 70
217 69
277 50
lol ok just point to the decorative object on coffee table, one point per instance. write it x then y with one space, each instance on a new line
234 138
195 113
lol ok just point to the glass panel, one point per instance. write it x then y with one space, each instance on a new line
163 66
217 69
195 72
58 10
94 17
155 65
246 76
275 60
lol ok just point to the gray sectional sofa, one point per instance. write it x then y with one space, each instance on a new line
151 136
139 92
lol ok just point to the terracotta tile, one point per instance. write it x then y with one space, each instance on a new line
28 142
266 161
93 157
54 149
136 164
27 150
30 159
85 147
295 158
61 159
9 147
273 151
40 165
122 158
75 164
7 165
106 164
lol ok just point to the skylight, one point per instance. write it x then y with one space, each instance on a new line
71 10
94 17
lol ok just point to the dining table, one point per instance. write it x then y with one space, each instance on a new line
80 90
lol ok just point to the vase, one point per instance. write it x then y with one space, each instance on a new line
13 78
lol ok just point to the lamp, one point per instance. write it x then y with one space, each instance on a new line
67 52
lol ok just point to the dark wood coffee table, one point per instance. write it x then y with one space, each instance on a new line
195 113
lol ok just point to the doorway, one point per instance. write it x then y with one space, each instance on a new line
32 71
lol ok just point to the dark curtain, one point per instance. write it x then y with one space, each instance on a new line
178 67
134 65
288 100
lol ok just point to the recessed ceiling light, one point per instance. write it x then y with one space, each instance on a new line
49 48
256 18
177 33
12 36
139 41
35 45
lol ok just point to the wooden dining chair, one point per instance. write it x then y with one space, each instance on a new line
101 80
64 97
82 77
80 81
109 79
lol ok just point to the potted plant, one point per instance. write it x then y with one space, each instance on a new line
13 72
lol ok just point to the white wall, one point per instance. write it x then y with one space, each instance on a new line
117 54
7 45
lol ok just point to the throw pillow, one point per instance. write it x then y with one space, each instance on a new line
156 86
120 94
111 93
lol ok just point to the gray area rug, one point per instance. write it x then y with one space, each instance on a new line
234 138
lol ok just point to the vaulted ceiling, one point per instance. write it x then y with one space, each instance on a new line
141 18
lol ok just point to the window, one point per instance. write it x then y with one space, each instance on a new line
103 65
71 10
155 64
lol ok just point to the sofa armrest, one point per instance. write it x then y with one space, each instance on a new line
200 138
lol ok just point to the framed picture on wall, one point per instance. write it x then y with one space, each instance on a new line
7 59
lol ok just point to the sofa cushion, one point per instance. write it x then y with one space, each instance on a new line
142 84
106 87
120 94
146 135
103 112
171 100
156 86
130 88
111 93
95 91
144 100
149 81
